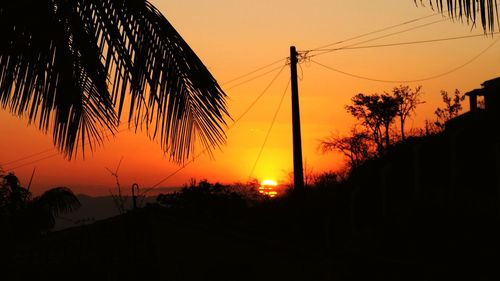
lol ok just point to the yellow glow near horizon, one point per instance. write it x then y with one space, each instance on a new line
269 182
233 38
267 187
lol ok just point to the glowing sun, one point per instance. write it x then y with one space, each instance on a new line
269 183
267 188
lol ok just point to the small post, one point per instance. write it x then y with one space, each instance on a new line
298 172
135 192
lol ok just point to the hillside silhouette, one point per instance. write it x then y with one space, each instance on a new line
428 208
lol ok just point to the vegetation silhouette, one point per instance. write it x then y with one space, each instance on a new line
377 113
210 199
75 67
429 205
357 147
33 214
426 209
407 101
24 218
469 9
453 106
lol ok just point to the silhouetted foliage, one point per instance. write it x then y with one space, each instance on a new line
30 215
453 106
425 209
376 112
209 199
407 100
308 176
431 128
357 147
415 213
69 67
327 179
469 9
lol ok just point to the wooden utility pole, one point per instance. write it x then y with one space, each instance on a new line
298 172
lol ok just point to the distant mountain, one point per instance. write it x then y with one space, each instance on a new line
97 208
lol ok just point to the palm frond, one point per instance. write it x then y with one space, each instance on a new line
469 9
56 201
172 94
51 72
73 65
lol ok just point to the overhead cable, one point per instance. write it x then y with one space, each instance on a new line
269 130
229 128
409 43
373 39
411 80
374 32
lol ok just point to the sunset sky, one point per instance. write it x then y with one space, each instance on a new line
235 37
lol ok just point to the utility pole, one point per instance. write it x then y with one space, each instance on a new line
298 172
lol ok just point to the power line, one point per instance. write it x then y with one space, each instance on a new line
26 157
414 80
321 47
258 97
229 128
238 84
409 43
253 78
234 86
42 152
374 32
376 38
269 130
317 49
228 82
322 51
252 72
52 155
173 173
388 28
33 162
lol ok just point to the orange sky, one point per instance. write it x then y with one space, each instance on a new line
235 37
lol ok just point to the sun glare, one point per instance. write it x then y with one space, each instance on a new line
269 183
267 187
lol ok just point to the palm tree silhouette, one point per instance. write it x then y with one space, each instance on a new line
30 215
70 67
469 9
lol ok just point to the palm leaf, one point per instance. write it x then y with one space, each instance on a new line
52 203
468 9
71 66
51 73
59 200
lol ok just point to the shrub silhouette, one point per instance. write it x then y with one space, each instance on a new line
28 215
211 199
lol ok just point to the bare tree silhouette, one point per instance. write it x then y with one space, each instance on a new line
70 67
407 100
357 147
